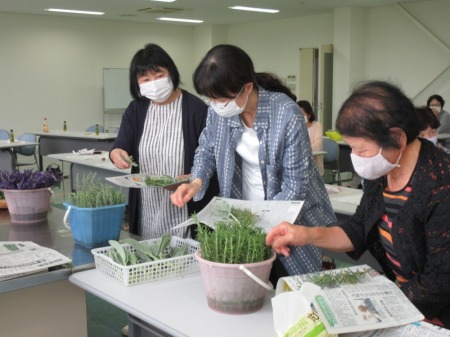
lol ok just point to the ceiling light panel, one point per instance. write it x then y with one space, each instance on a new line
180 20
254 9
73 11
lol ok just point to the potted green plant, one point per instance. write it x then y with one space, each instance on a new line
28 193
94 211
234 261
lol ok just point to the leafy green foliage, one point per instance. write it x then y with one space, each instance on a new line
144 252
129 160
235 238
90 193
332 279
159 181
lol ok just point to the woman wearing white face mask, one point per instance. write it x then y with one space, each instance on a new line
256 140
160 130
428 126
436 103
403 217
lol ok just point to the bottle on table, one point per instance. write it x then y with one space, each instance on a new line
45 126
65 126
11 136
97 131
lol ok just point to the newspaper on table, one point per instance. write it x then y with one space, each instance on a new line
373 303
416 329
269 212
18 258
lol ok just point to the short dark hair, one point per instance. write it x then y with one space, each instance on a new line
427 118
437 98
373 109
225 69
306 107
152 57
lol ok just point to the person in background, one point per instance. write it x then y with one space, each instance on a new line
436 103
159 131
315 131
403 217
428 126
256 140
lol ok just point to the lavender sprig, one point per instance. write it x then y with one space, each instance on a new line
27 180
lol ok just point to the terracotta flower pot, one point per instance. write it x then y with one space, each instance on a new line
28 206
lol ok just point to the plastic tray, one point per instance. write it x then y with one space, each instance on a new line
148 271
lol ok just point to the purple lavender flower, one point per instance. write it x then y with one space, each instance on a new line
28 179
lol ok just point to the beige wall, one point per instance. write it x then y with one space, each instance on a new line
53 66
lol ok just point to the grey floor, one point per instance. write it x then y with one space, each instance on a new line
104 320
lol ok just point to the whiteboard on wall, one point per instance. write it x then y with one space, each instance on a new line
116 89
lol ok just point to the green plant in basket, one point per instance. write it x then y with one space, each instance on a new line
91 192
235 238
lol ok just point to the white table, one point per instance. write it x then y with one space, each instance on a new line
346 200
176 306
7 156
84 164
58 141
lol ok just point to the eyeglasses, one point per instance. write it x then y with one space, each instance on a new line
208 101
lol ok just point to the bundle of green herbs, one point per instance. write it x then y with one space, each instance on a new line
90 192
159 249
235 239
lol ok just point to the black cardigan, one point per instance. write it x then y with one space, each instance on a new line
194 113
422 232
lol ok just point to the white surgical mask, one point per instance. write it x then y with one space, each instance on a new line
374 167
230 108
436 109
433 139
158 90
306 119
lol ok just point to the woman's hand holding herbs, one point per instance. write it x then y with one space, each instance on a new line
121 159
186 192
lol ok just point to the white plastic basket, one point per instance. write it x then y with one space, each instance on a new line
148 271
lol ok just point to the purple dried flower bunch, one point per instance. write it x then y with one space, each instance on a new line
28 179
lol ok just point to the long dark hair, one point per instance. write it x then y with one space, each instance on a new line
306 107
152 57
225 69
373 109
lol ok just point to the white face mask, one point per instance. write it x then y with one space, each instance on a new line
374 167
433 139
436 109
157 90
230 108
306 119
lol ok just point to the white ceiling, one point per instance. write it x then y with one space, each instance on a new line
210 11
